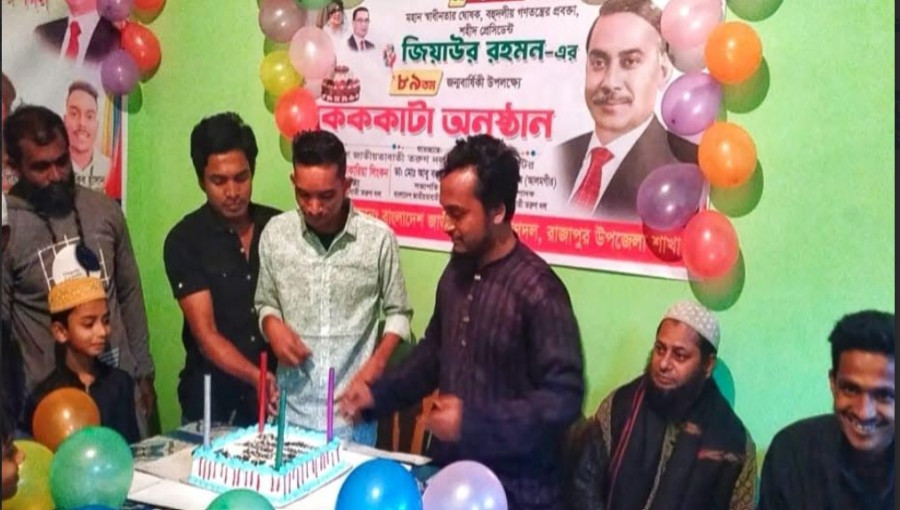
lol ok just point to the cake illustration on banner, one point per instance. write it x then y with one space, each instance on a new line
246 459
343 87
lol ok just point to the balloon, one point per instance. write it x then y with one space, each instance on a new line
691 103
312 53
733 52
314 87
464 485
143 46
687 24
61 413
709 245
727 155
277 74
114 10
314 4
690 60
670 195
279 19
92 467
94 507
34 479
149 5
296 111
379 484
240 499
118 73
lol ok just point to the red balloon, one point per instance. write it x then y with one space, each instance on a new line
149 5
143 46
709 245
296 111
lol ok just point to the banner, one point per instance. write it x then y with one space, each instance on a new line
51 57
412 77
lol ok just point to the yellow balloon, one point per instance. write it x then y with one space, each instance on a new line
277 74
34 479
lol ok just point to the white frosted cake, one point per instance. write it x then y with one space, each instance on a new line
244 459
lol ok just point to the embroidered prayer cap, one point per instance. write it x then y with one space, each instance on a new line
698 317
73 292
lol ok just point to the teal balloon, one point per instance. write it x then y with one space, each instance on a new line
314 4
92 467
240 499
379 484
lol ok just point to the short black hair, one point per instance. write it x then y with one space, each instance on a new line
319 147
358 9
61 317
496 165
868 330
643 8
39 124
83 86
219 133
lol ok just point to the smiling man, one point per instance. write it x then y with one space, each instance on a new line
627 67
843 460
669 439
89 165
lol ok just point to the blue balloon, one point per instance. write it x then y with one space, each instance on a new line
379 484
94 507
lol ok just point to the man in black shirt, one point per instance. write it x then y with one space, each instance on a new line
212 261
843 460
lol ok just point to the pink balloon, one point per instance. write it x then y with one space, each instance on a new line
687 24
314 87
280 19
690 60
312 53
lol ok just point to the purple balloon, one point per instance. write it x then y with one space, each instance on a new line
670 195
280 19
691 103
115 10
464 485
118 73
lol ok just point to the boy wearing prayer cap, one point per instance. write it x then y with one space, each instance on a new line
80 324
668 439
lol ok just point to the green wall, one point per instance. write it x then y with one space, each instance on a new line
818 240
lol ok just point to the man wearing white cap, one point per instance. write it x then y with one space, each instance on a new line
668 439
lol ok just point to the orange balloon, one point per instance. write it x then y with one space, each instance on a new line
296 111
149 5
733 52
727 155
709 245
61 413
143 46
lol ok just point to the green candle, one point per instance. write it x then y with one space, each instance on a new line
282 412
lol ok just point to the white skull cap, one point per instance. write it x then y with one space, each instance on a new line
698 317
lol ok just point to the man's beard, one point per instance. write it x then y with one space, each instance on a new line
56 199
674 404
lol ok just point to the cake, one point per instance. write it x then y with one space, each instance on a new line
245 459
342 87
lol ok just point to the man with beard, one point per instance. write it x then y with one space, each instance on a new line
668 440
53 218
843 460
627 66
502 346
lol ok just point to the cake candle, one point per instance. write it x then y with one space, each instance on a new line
207 408
261 393
282 413
329 407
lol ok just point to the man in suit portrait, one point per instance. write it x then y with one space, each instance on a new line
357 40
82 121
627 66
82 36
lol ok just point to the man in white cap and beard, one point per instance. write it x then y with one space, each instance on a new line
668 440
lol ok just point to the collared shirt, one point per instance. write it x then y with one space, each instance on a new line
503 339
203 253
93 175
87 22
620 147
112 391
332 298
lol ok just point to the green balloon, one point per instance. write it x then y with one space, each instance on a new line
93 466
314 4
240 499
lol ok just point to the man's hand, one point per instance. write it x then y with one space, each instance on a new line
370 371
445 418
271 393
286 344
354 400
148 395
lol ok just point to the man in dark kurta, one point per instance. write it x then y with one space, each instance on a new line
667 440
502 347
843 460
